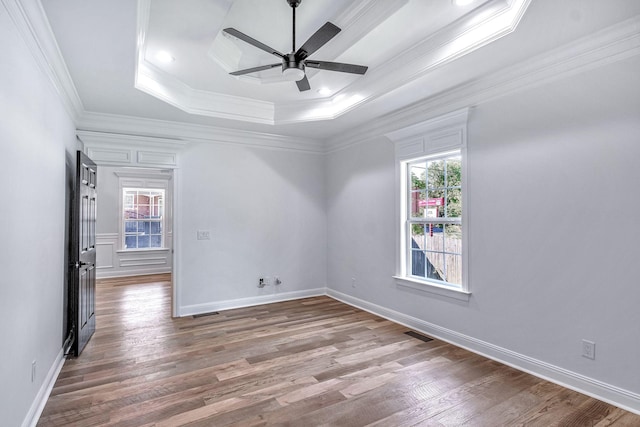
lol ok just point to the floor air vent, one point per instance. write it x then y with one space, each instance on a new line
419 336
195 316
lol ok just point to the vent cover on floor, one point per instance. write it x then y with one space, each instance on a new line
419 336
195 316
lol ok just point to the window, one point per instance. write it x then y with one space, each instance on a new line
432 228
143 218
434 219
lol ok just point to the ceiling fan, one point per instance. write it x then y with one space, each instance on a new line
294 63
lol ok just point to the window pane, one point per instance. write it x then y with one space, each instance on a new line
454 166
417 263
454 269
130 242
418 204
130 213
435 170
143 241
434 265
434 237
454 203
417 236
130 226
155 241
435 204
417 177
453 238
156 228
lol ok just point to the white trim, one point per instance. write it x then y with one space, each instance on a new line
471 31
109 127
176 260
617 396
614 43
438 135
38 404
32 24
209 307
131 273
433 288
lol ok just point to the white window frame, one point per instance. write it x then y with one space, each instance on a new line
432 138
150 181
162 221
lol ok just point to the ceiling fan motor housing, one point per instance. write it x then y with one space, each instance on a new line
292 69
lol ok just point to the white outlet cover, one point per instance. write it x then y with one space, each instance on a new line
204 235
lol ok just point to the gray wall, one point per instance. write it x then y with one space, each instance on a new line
265 211
553 234
37 148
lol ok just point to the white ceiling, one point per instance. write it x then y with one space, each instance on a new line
416 50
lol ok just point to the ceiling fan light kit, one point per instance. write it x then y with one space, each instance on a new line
295 63
292 70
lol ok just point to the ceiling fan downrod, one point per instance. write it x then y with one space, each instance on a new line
294 4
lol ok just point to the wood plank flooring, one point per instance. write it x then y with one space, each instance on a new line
310 362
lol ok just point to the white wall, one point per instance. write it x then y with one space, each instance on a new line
265 212
111 260
37 148
553 209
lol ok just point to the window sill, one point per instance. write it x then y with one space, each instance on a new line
433 288
127 251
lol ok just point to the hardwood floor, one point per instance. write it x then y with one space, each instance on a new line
310 362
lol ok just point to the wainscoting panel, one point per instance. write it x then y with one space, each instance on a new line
113 262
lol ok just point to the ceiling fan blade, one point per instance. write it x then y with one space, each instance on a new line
303 84
336 66
317 40
255 69
245 38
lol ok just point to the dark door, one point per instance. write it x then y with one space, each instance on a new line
83 252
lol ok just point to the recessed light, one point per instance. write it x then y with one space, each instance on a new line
324 91
462 2
164 57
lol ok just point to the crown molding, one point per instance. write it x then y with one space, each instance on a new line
32 24
611 44
484 25
178 131
204 103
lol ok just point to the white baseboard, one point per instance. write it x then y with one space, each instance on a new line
189 310
45 390
616 396
128 273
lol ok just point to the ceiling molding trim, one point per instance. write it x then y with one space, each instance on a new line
487 24
137 126
92 138
484 25
33 26
151 80
174 92
611 44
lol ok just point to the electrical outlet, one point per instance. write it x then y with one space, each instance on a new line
204 235
588 349
353 282
261 282
33 371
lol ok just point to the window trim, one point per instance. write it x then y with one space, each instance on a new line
162 221
431 138
409 220
152 181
